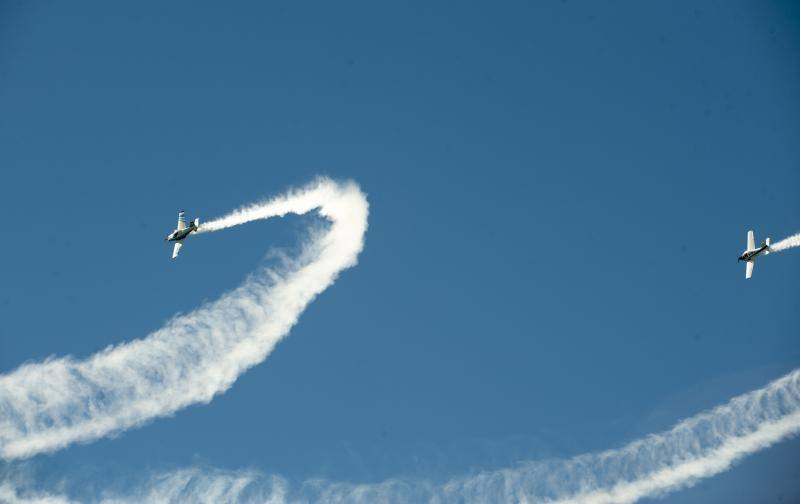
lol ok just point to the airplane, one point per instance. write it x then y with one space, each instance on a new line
181 232
750 254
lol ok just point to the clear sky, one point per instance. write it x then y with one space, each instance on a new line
558 193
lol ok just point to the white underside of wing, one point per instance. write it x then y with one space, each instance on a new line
178 246
748 272
751 240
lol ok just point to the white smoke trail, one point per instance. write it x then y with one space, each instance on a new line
786 243
46 406
696 448
49 405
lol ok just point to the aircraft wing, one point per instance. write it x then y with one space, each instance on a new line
751 240
178 246
748 272
182 221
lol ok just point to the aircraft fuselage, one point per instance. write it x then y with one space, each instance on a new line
749 255
180 234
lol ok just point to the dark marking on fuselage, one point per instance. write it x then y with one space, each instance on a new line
183 233
749 255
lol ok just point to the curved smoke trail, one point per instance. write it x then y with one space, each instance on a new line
696 448
48 405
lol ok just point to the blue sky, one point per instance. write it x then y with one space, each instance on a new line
557 195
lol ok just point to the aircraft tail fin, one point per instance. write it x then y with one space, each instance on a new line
768 249
197 224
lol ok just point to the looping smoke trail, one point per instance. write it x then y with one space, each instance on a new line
48 405
786 243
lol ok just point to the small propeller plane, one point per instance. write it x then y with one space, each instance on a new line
181 232
750 254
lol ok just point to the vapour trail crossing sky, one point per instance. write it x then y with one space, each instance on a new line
558 192
200 355
697 448
50 405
